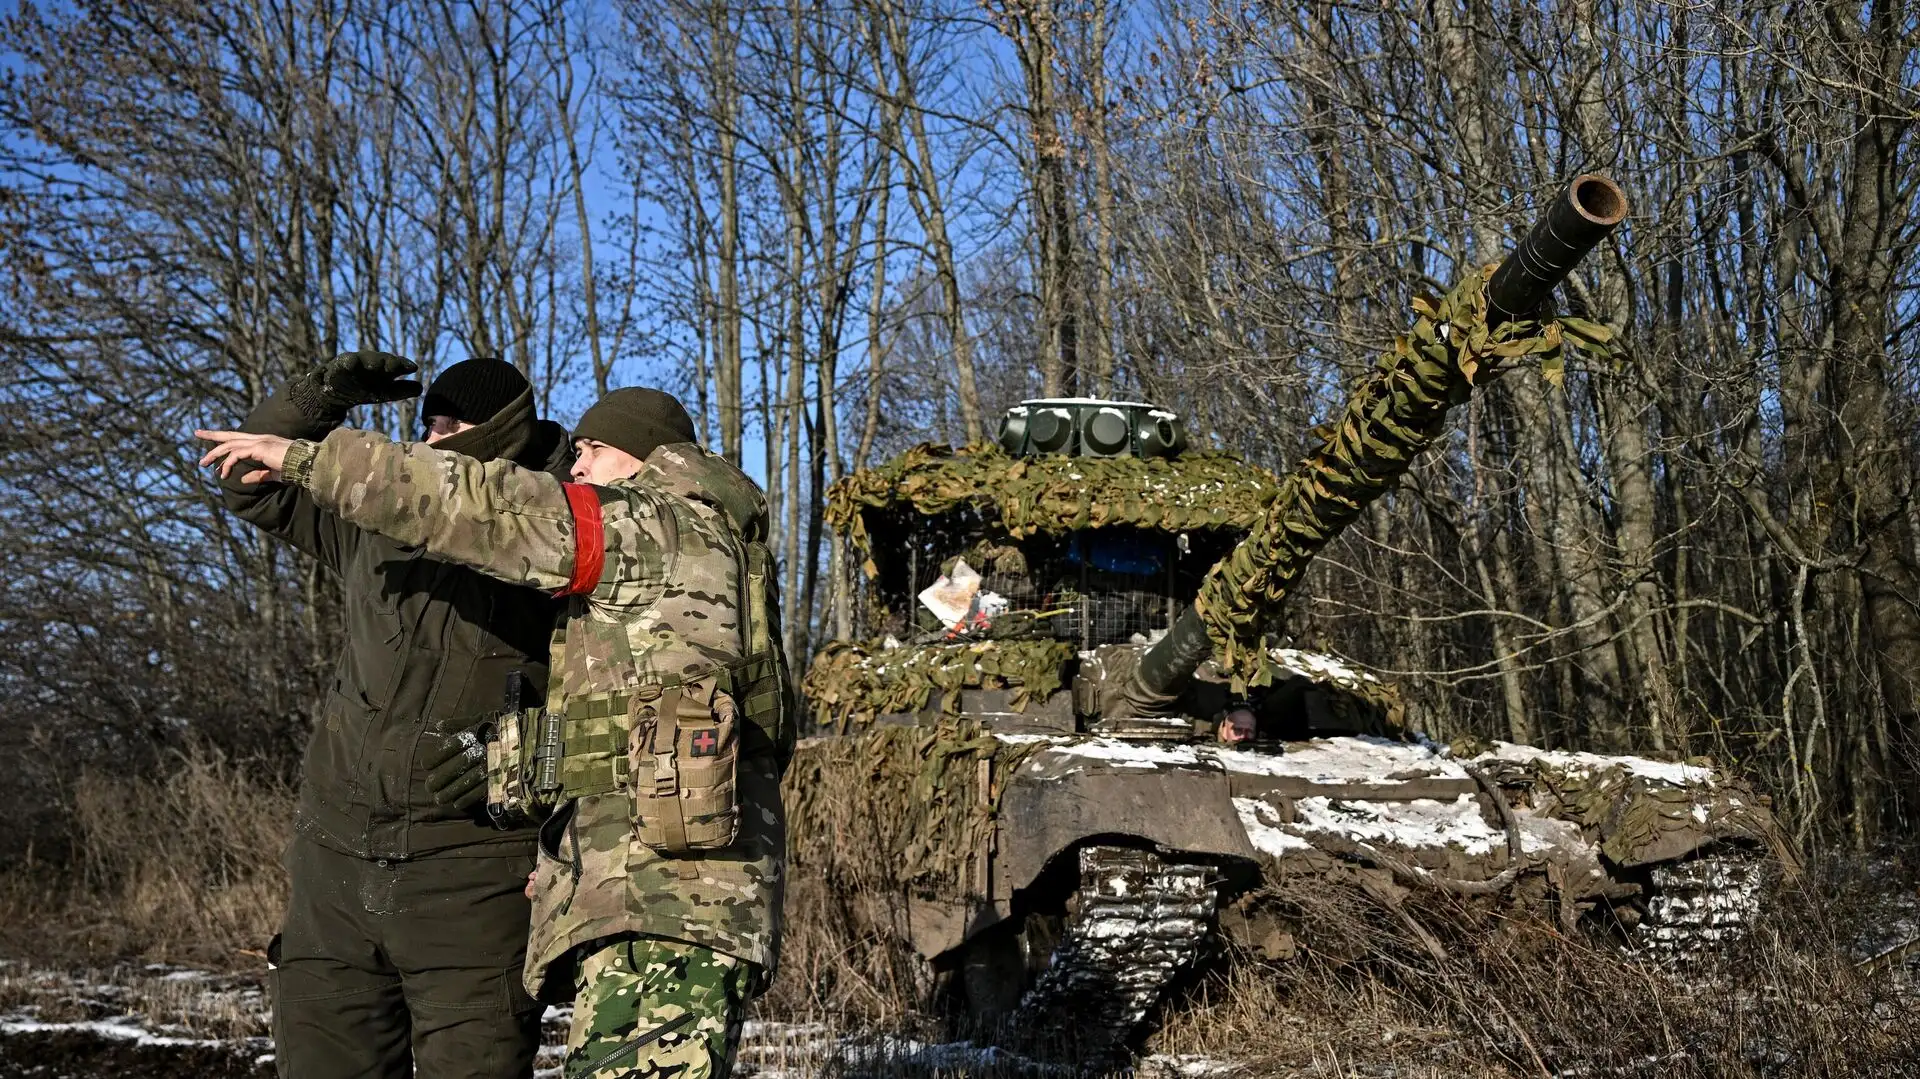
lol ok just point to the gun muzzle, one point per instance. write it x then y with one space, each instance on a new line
1583 215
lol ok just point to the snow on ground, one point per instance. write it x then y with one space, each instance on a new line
768 1049
1184 1066
1680 775
887 1054
122 1028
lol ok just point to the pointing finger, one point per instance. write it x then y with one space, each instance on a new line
217 453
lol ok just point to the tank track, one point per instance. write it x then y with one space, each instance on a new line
1137 923
1696 906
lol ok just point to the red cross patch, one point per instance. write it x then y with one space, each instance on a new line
706 742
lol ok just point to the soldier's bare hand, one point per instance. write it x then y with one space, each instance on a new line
267 451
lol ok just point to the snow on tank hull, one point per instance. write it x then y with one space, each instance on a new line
1103 868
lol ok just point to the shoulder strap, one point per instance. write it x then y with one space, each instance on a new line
712 479
766 697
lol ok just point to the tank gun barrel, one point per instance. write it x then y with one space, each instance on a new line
1586 211
1364 456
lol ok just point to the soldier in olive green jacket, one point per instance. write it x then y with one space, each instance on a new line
405 931
657 897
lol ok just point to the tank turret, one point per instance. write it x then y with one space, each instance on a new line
993 568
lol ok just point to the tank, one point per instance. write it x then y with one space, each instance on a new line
1019 772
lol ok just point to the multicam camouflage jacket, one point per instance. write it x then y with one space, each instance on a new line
664 604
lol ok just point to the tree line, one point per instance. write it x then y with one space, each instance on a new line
840 228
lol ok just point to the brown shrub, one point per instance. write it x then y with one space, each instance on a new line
1525 999
835 969
179 867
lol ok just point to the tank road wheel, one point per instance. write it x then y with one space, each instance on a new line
1134 924
1696 906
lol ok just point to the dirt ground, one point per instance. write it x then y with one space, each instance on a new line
79 1054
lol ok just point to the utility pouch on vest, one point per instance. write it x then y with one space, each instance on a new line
523 764
683 753
506 780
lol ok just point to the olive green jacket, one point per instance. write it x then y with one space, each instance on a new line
428 646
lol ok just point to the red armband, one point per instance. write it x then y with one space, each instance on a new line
589 539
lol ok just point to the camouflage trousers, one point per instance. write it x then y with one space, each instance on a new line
644 1007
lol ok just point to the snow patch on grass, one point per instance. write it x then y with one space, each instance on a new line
123 1029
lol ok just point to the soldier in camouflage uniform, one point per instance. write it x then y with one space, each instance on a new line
656 898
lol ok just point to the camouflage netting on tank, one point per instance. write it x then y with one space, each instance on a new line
1397 411
1359 700
900 808
1638 819
1056 494
850 682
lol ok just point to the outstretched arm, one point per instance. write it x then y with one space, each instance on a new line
315 402
508 522
280 510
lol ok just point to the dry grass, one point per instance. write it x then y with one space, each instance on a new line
835 970
1523 999
179 868
1505 997
177 1003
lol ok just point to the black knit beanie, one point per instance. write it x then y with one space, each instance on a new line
636 419
474 391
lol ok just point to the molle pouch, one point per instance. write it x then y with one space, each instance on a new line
522 765
683 754
506 777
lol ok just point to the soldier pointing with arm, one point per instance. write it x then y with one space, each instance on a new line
657 897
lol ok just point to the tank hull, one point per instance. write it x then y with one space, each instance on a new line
1325 807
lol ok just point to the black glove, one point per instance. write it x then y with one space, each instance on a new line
329 389
457 765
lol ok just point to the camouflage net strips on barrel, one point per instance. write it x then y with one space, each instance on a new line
901 809
1396 412
850 682
1056 494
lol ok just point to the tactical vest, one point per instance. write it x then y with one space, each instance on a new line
693 692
